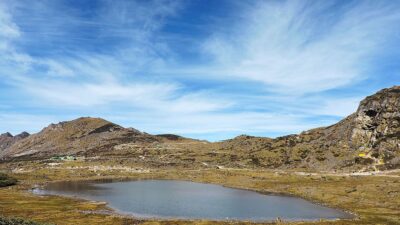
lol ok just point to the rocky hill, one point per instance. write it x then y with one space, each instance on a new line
7 139
368 139
83 136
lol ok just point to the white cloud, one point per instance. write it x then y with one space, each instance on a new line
301 47
94 79
204 123
57 69
340 107
16 123
91 94
7 27
9 30
294 49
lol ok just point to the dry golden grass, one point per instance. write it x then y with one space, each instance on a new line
374 199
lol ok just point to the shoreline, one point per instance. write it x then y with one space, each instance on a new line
129 214
335 192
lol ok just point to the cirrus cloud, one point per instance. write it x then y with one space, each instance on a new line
257 67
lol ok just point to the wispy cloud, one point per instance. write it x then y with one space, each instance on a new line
87 79
265 68
305 46
16 123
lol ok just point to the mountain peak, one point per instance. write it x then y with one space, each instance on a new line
85 135
7 139
83 125
7 134
23 134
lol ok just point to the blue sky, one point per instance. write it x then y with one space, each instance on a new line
203 69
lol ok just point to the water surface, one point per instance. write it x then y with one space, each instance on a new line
189 200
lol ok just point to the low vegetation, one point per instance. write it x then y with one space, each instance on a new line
17 221
373 199
6 180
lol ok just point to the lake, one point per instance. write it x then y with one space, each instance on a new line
170 199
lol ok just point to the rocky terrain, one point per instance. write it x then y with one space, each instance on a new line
83 136
7 139
366 140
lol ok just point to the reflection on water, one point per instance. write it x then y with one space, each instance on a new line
181 199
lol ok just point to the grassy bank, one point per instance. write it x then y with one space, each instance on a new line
374 199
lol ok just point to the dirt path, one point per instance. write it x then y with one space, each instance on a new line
386 173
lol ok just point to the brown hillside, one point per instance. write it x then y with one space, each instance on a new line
368 139
7 139
83 136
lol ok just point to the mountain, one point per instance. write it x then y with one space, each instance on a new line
368 139
7 139
83 136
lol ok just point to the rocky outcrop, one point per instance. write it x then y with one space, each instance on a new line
377 126
171 137
369 139
7 139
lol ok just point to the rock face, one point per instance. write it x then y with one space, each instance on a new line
7 139
83 136
377 126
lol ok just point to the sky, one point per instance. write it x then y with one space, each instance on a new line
207 69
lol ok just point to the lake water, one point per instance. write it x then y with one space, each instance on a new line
189 200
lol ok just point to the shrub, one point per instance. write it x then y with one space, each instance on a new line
17 221
6 180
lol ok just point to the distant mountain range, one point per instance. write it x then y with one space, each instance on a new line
368 139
